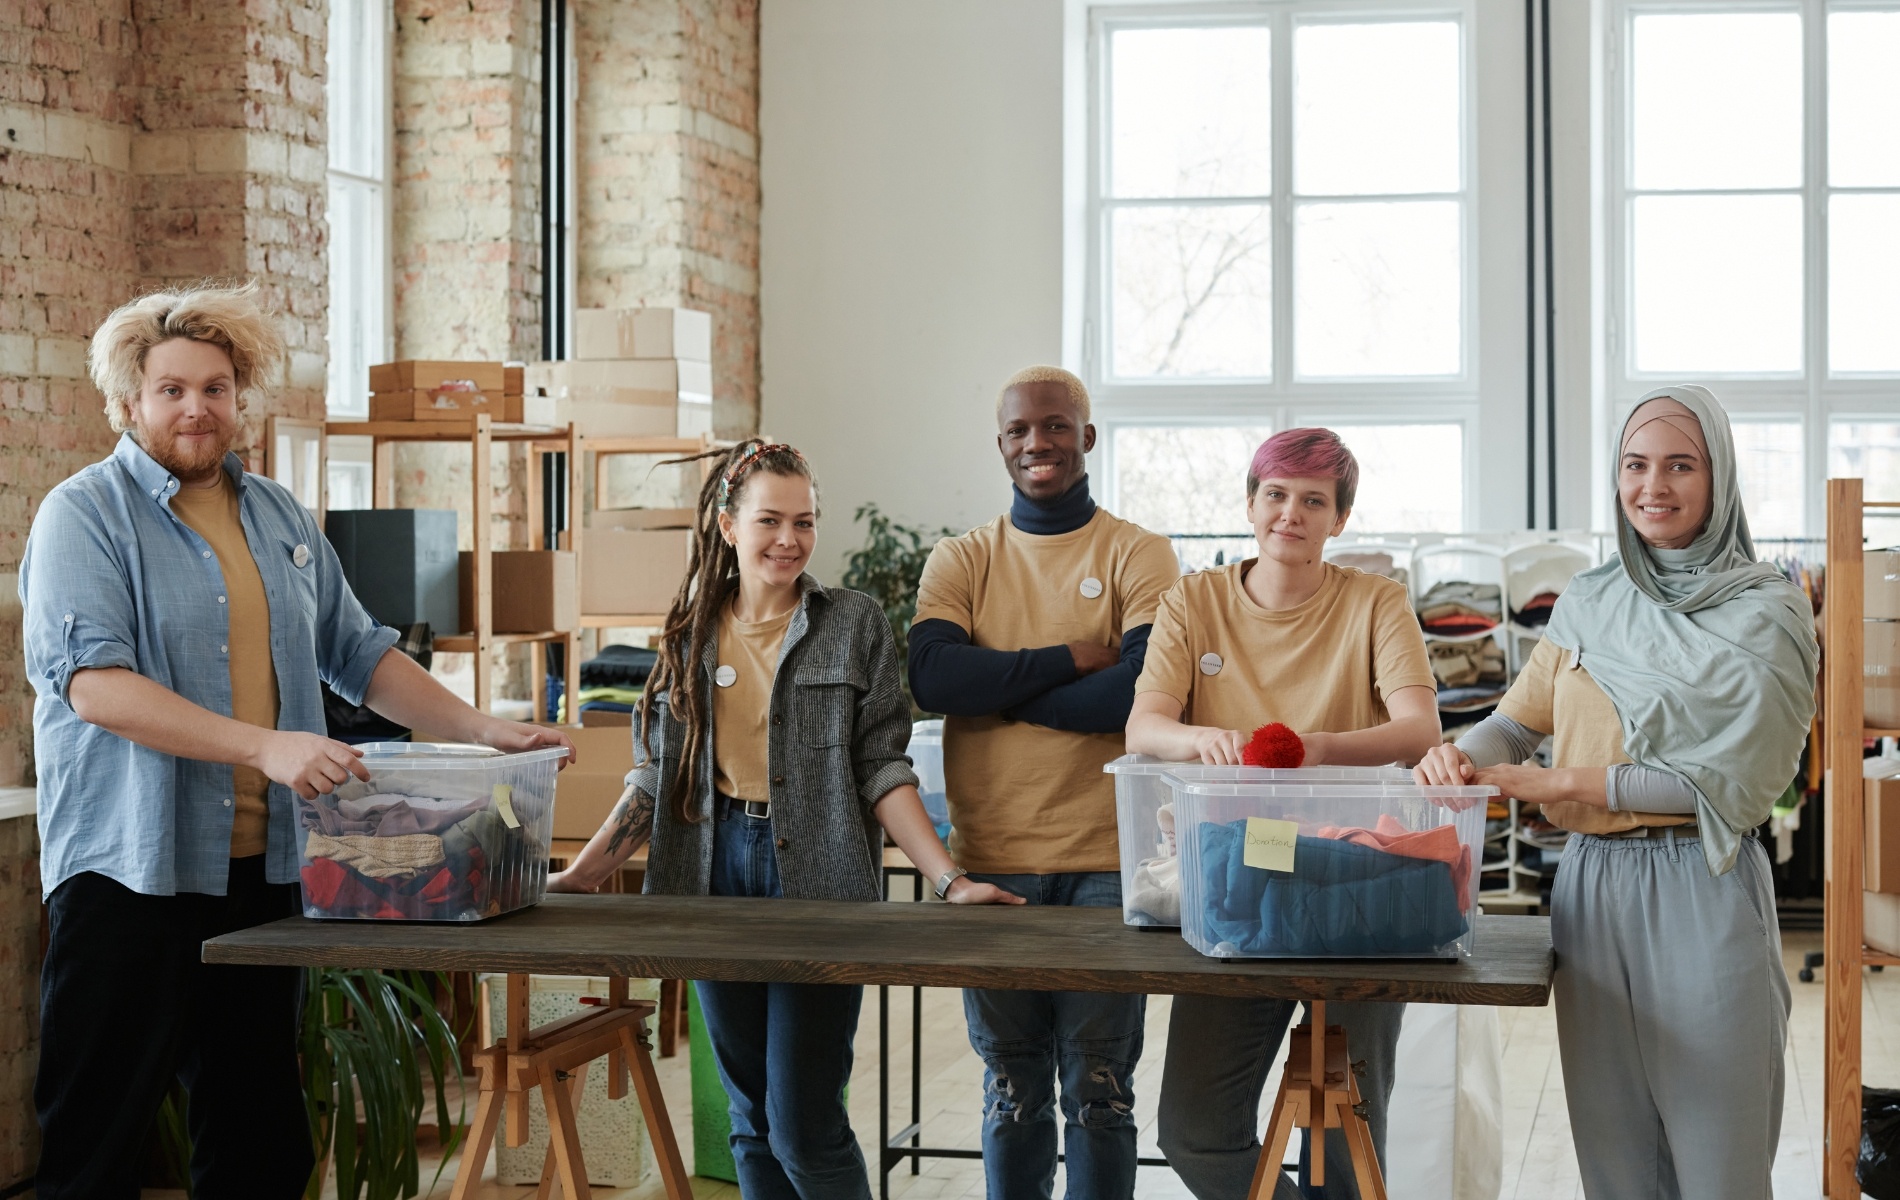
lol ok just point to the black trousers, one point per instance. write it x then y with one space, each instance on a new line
126 1006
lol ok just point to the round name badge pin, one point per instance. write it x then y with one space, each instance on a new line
301 555
1091 588
1210 663
726 676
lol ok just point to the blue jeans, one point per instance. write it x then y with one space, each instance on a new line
1026 1039
784 1052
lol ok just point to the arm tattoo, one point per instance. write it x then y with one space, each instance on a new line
632 821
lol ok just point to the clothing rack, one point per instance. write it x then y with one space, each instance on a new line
1844 736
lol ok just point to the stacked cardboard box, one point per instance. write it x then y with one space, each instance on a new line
634 559
425 390
635 373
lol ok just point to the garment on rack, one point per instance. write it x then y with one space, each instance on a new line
1455 607
1466 698
618 666
1463 664
1341 899
1372 562
1536 610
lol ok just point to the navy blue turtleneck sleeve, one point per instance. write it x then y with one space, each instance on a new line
950 676
1097 703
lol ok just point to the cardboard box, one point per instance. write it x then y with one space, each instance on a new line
412 374
534 591
400 562
643 333
1880 821
641 518
1881 585
605 718
513 379
1880 920
589 788
443 406
632 571
586 379
1880 663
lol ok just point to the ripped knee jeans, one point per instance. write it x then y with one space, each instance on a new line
1044 1050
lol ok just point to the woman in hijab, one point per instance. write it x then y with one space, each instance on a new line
1677 683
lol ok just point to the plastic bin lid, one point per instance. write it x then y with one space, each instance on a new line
452 756
1376 789
1142 764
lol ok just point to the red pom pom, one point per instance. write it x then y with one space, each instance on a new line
1274 746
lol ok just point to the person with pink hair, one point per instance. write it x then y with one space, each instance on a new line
1338 656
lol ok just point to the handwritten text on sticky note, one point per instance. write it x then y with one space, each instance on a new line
1270 843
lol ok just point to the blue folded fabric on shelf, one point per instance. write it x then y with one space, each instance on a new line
1341 900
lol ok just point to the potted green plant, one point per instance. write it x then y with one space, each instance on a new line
366 1038
887 568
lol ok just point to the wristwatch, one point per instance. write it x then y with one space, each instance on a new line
947 878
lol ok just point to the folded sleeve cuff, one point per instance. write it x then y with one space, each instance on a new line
893 774
353 683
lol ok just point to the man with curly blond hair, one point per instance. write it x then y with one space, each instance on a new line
180 617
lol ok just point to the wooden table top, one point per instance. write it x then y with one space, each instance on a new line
932 944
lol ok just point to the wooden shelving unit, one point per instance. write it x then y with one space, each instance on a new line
480 433
1844 738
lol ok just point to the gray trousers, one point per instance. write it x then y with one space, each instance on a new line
1219 1052
1672 1018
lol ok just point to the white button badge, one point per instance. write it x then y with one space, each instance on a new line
726 676
301 555
1091 587
1210 663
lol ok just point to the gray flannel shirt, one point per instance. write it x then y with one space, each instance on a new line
839 729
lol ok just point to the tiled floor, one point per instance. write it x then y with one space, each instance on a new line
1539 1163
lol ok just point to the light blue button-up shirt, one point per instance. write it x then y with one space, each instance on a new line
112 578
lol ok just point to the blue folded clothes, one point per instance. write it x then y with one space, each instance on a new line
1341 900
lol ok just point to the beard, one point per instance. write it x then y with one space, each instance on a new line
190 464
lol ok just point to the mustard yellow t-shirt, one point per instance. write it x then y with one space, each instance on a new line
748 656
1324 666
1025 798
1557 696
212 513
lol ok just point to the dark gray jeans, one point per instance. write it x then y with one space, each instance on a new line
1219 1052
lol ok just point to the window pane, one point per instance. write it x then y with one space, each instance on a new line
1863 99
1186 479
1377 289
1769 466
357 302
1193 291
356 86
1191 112
1376 108
1411 478
1717 283
1863 282
1871 451
1717 100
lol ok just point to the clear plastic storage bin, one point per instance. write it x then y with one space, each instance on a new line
439 833
1360 870
1151 890
926 757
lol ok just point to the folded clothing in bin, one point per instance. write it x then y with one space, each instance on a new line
416 858
1341 899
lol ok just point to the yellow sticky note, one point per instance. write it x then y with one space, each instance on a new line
1270 843
502 793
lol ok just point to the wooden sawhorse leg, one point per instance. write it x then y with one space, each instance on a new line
1318 1091
554 1058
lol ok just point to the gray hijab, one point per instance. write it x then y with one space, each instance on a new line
1708 655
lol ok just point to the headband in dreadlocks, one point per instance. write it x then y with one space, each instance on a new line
737 470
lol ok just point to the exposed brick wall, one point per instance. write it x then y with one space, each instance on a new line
139 147
668 173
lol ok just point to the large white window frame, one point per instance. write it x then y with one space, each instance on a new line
1285 398
361 152
1813 396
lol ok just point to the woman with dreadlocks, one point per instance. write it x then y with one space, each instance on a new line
770 762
